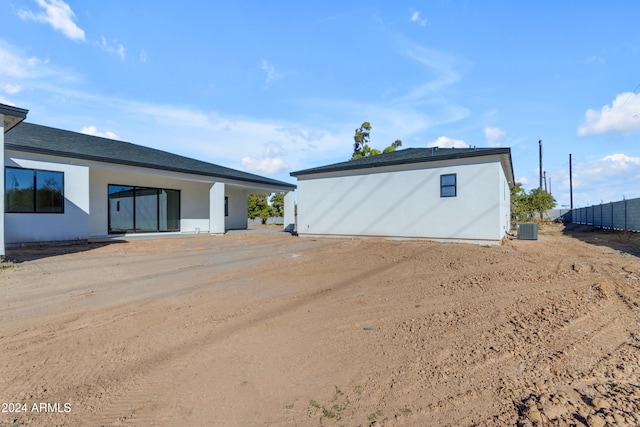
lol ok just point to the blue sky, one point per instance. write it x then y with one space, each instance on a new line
273 87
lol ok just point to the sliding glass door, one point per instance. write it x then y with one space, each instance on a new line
169 210
146 203
120 209
143 209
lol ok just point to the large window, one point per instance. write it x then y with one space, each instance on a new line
33 191
448 185
143 210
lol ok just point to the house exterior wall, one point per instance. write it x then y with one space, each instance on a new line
404 201
194 197
86 199
73 224
237 218
505 203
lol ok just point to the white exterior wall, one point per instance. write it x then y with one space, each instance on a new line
73 224
237 218
404 201
194 197
216 208
289 211
505 204
86 199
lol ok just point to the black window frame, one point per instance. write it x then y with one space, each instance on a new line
136 229
34 210
226 205
445 187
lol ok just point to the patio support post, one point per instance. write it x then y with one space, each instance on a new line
216 208
289 211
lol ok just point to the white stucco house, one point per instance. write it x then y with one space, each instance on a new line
67 186
449 194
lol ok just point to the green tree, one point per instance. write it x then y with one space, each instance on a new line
258 207
397 143
541 201
277 204
361 143
525 205
519 203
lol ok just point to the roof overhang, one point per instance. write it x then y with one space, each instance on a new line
369 163
12 116
507 166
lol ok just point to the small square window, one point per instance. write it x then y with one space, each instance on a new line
448 185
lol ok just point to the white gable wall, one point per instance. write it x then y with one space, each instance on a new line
73 224
404 201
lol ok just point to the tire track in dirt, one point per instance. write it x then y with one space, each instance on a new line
602 332
410 333
156 372
291 303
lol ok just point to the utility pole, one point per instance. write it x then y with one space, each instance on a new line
540 150
545 181
570 183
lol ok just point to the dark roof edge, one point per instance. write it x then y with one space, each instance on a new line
13 111
142 165
452 156
513 173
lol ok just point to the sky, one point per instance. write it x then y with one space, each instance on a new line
275 87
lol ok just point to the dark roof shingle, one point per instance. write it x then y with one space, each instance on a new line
32 138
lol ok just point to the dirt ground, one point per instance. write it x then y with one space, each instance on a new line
270 329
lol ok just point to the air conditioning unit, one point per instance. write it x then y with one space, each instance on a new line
528 231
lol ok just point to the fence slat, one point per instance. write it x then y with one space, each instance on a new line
622 215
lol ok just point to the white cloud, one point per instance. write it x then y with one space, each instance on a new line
5 101
494 136
621 117
266 165
271 161
606 179
11 89
272 150
417 18
523 180
58 14
445 142
115 48
92 130
143 56
270 70
15 66
621 162
29 74
237 142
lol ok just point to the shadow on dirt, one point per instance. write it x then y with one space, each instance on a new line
623 241
30 253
